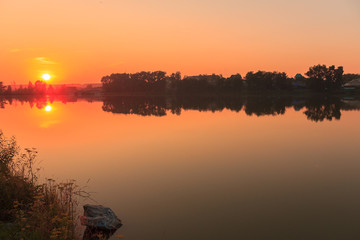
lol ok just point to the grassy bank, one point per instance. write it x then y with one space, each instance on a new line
30 209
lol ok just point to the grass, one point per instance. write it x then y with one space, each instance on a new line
30 210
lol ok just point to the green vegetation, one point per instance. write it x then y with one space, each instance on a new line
28 209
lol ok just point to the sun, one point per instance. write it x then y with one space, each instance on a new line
48 108
46 76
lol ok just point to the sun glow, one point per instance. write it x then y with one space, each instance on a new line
48 108
46 76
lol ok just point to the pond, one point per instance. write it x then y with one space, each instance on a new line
204 167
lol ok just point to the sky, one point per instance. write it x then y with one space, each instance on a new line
79 41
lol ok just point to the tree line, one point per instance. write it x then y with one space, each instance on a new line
38 89
318 78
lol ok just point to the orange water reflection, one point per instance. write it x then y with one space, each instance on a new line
215 173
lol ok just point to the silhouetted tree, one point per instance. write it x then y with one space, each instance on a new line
8 90
234 83
142 82
2 88
262 80
349 77
322 78
172 81
50 90
30 88
202 84
40 87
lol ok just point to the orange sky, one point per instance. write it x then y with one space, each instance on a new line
81 41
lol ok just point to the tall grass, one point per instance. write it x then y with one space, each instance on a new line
31 210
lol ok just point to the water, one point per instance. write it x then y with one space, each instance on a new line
204 168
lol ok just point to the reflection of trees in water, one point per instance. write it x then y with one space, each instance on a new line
40 101
208 103
33 100
158 106
316 109
267 105
145 106
2 103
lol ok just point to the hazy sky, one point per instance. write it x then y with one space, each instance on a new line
83 40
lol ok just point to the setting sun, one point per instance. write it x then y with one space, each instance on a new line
48 108
46 76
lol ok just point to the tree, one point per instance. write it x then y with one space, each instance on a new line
322 78
40 87
50 90
349 77
8 90
262 80
234 83
2 88
258 81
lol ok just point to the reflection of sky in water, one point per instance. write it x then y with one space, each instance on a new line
204 175
47 124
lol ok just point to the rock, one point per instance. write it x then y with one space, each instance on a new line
99 217
101 222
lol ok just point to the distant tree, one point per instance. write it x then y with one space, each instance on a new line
30 87
334 77
116 82
258 81
172 81
2 88
323 78
176 76
20 90
50 90
8 90
350 76
280 81
137 82
193 84
317 77
201 84
40 87
234 83
158 81
262 80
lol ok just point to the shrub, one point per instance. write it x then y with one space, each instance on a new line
33 210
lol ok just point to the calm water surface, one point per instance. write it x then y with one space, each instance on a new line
203 174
